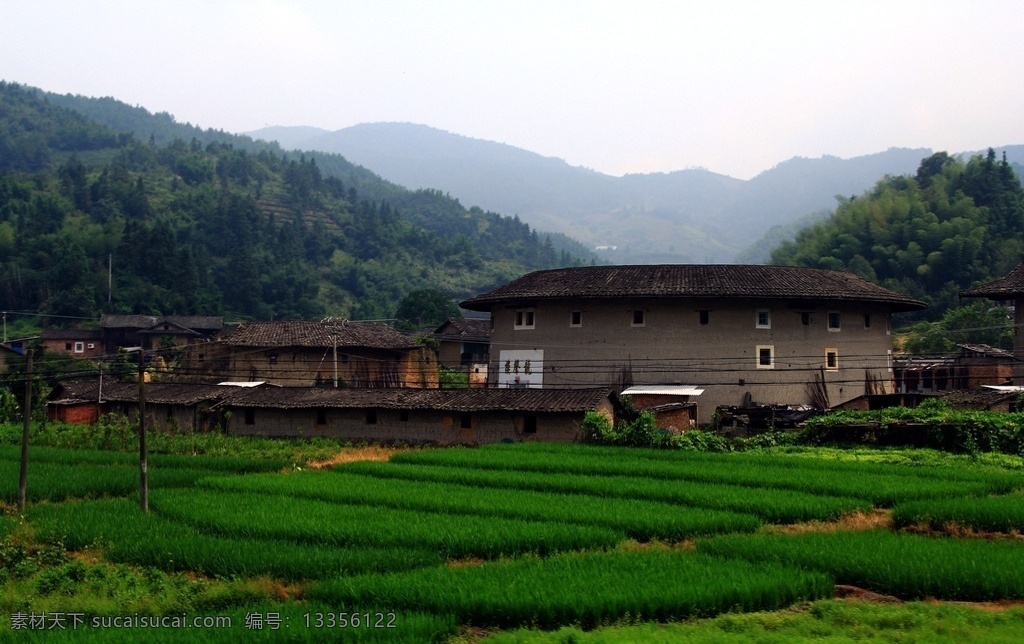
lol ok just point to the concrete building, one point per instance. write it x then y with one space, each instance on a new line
745 334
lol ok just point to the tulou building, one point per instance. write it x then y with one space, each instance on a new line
726 335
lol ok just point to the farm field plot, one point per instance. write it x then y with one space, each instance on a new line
506 536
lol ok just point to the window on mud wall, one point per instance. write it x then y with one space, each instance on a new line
529 424
466 421
321 416
371 416
765 356
250 416
704 316
764 319
639 318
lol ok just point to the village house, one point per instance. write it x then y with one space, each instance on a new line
77 343
405 415
169 406
1008 288
464 345
459 416
154 332
328 354
744 334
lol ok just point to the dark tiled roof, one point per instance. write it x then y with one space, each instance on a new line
713 281
465 328
71 334
271 397
194 322
373 335
456 400
977 398
1011 285
160 393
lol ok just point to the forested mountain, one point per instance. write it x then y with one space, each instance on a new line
686 216
219 224
929 235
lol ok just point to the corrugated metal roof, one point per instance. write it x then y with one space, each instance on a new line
664 390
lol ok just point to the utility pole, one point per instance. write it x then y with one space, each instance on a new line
23 475
143 474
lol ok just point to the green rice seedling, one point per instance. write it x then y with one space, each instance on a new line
582 588
65 456
774 506
999 480
880 489
263 516
56 482
906 565
129 536
639 519
986 514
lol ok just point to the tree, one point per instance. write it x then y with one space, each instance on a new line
424 308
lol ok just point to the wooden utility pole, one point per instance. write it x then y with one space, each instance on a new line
143 474
23 475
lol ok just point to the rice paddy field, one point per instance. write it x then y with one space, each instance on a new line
514 543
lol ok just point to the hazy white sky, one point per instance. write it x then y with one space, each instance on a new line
629 86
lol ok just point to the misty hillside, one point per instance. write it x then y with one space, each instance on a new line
110 209
684 216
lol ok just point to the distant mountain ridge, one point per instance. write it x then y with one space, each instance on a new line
683 216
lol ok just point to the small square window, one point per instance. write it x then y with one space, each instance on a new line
831 360
704 316
765 357
403 415
576 318
321 416
90 346
805 318
833 321
466 421
524 319
639 319
764 319
79 347
250 416
67 346
371 416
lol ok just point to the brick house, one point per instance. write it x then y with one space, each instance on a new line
77 343
744 334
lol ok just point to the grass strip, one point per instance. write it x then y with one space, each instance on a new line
821 621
